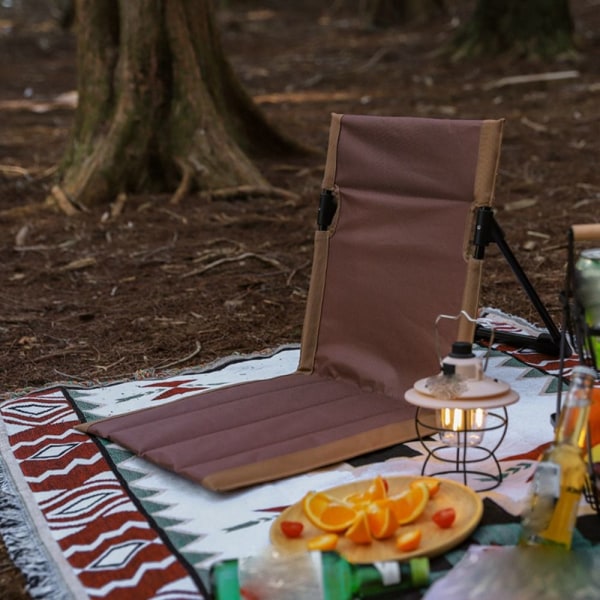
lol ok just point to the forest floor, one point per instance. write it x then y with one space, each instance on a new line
100 298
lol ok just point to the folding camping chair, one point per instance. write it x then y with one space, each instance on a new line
393 251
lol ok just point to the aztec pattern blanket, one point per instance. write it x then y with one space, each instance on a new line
83 518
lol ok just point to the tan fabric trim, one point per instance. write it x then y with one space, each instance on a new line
331 163
488 159
314 303
297 462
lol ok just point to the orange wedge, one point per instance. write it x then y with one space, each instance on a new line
360 533
410 504
324 542
377 490
409 541
432 483
382 520
327 513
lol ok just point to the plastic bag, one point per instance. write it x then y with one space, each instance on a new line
521 573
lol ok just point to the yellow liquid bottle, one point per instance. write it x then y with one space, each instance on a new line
561 473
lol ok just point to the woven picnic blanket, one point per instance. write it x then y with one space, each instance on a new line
83 518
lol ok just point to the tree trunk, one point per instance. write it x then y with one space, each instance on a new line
158 101
531 29
387 13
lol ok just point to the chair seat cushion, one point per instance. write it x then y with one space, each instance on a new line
257 431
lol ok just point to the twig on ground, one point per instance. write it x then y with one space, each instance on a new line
56 354
173 214
534 78
373 60
182 360
79 263
107 367
293 272
533 125
70 377
266 259
146 254
14 170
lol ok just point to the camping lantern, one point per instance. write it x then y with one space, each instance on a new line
464 400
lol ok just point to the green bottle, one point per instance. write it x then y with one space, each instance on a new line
314 576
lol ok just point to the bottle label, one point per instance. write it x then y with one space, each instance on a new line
546 481
270 575
389 571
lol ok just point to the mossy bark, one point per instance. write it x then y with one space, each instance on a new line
157 99
535 29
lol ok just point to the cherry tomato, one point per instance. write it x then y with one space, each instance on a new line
291 529
444 518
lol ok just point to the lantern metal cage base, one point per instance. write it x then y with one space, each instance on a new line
464 458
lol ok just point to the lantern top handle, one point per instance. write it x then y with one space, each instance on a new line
461 314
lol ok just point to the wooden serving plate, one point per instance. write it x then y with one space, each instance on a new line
466 503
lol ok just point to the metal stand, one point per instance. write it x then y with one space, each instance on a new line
464 458
580 334
487 231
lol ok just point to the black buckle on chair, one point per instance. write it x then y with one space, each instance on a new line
327 208
487 230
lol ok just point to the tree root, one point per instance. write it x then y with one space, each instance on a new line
184 187
29 210
248 191
62 201
117 207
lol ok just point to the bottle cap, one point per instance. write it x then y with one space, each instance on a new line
419 568
584 370
462 350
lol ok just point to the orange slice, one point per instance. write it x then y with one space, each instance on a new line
377 490
327 513
382 520
432 483
410 504
324 542
360 533
409 541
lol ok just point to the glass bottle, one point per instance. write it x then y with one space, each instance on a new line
314 576
561 473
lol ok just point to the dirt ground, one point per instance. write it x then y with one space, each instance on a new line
98 298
